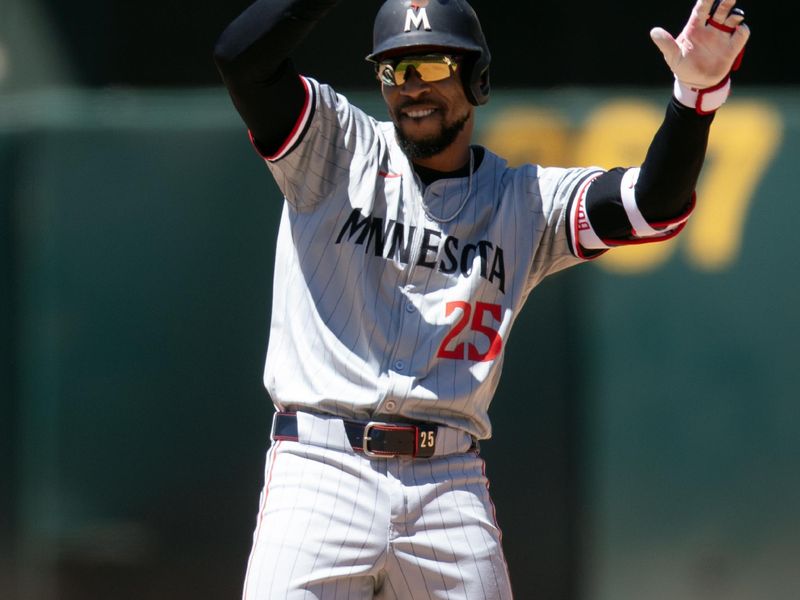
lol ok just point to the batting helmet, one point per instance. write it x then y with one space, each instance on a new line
447 24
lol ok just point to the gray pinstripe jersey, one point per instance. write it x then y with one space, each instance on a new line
379 310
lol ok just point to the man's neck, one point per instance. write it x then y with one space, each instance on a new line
452 159
428 175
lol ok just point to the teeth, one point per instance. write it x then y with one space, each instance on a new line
418 114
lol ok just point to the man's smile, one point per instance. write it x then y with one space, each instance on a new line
418 112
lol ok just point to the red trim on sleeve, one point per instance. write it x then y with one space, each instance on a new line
299 125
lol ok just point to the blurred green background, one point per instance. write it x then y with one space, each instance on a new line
646 438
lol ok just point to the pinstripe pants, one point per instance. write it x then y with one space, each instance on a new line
334 525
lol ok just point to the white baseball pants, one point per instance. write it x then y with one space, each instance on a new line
335 525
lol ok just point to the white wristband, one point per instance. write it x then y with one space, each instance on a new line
703 101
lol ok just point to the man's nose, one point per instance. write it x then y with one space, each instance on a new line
414 86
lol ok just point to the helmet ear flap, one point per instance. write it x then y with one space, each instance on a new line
475 78
483 85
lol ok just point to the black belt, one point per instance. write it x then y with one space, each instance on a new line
377 440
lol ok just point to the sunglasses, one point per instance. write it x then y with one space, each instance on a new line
431 67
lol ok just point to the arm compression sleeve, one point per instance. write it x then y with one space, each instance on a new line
668 175
252 55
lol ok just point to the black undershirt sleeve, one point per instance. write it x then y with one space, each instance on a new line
252 55
667 180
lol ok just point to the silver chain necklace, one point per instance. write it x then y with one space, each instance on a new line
433 217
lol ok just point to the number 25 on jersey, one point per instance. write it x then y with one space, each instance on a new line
474 319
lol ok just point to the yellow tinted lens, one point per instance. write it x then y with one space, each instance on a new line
428 69
433 71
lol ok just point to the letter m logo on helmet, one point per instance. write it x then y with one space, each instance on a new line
417 16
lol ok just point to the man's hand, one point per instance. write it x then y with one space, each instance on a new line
704 53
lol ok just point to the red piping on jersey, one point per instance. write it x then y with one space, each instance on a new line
298 126
261 509
389 175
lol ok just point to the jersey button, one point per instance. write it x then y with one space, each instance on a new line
399 365
390 406
410 307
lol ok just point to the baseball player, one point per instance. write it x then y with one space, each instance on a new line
404 255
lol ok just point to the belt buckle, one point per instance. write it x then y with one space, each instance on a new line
366 439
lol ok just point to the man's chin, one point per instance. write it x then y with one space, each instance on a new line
419 140
422 138
422 146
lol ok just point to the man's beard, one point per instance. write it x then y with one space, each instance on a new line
432 145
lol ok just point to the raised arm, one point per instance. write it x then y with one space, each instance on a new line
634 205
252 55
